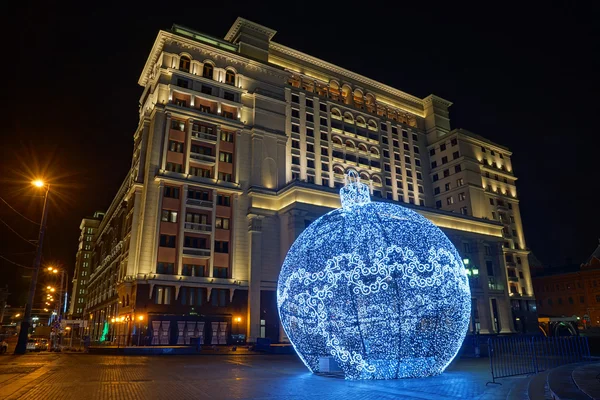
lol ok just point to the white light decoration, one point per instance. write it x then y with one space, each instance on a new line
377 287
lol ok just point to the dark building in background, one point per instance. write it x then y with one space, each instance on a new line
569 292
83 261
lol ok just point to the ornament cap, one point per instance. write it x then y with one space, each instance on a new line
354 192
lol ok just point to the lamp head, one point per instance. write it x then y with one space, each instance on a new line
38 183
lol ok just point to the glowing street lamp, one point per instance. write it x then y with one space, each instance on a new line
21 347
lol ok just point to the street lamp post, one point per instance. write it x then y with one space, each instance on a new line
21 347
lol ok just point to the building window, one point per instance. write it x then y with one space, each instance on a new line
167 241
460 182
432 152
226 136
219 297
221 246
230 77
310 117
198 194
435 177
172 167
176 147
461 196
490 268
193 270
225 177
450 200
295 160
223 200
446 173
222 223
438 204
169 216
442 146
194 242
447 186
454 142
436 190
200 172
457 168
455 155
165 268
207 71
491 201
184 64
225 157
229 96
220 272
310 147
444 160
295 98
162 295
433 164
464 211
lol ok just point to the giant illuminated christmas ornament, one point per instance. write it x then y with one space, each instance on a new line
377 287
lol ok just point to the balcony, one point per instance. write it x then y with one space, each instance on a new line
200 203
190 251
203 158
513 279
206 137
202 228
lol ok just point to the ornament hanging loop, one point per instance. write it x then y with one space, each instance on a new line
354 192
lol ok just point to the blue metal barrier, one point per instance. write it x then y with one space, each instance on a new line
523 355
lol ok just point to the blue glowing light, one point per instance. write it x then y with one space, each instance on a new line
377 287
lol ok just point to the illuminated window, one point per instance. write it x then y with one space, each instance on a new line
226 136
225 157
162 295
172 167
169 216
225 177
176 147
222 223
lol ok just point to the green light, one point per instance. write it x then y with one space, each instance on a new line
104 332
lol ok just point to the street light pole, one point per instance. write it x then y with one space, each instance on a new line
26 322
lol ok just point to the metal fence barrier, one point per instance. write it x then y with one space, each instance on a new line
523 355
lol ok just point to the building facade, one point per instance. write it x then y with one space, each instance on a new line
571 294
243 142
83 261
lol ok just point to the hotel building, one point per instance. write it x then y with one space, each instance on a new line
242 142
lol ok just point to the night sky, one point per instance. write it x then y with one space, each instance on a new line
524 78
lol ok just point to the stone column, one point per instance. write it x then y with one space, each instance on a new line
166 143
131 269
188 145
181 233
212 235
255 261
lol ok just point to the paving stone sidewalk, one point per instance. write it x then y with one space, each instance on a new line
269 377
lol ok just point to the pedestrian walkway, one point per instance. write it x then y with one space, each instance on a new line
267 377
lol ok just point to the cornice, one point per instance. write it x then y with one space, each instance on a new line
346 73
230 58
242 22
480 140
